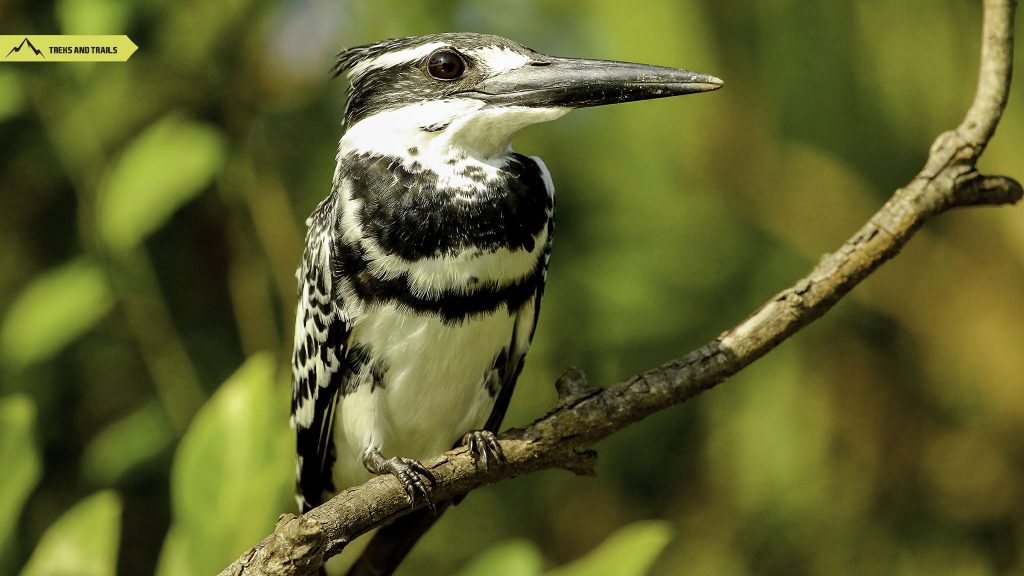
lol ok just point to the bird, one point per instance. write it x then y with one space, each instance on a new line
423 272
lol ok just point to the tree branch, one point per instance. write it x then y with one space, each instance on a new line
561 439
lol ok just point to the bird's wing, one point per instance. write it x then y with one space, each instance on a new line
526 320
526 324
322 330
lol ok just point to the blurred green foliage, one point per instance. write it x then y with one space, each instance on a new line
165 167
151 216
19 457
83 541
53 311
629 551
218 510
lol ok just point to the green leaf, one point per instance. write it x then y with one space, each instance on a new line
12 95
54 310
88 16
127 444
19 460
233 473
82 542
160 171
512 558
174 560
630 551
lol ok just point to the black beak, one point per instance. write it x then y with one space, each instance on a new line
575 83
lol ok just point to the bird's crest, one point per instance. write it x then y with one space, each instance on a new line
349 57
349 60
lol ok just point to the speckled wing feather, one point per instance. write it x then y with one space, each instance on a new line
322 330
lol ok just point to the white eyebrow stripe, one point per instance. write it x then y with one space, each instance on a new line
500 58
389 59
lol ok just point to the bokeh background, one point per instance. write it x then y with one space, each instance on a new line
151 216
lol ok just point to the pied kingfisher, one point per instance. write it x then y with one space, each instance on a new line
423 270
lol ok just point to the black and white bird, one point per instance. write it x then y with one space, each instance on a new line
423 271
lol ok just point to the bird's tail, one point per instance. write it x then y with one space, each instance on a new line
392 543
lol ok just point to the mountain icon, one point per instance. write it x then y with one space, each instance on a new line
22 45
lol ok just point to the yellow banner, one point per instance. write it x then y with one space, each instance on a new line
66 48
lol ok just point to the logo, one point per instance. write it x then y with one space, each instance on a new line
66 48
22 45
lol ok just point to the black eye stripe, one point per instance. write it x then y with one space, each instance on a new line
446 64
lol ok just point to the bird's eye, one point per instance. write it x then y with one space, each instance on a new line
446 65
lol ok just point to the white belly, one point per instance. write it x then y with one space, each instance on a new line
434 386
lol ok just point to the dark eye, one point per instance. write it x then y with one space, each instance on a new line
446 65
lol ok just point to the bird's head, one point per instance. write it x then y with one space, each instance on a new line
474 91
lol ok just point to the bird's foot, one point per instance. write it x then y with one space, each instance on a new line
483 447
409 471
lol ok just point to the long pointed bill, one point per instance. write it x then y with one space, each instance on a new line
576 83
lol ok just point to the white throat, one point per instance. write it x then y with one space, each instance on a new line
442 129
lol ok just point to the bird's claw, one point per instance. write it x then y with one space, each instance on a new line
483 446
410 473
